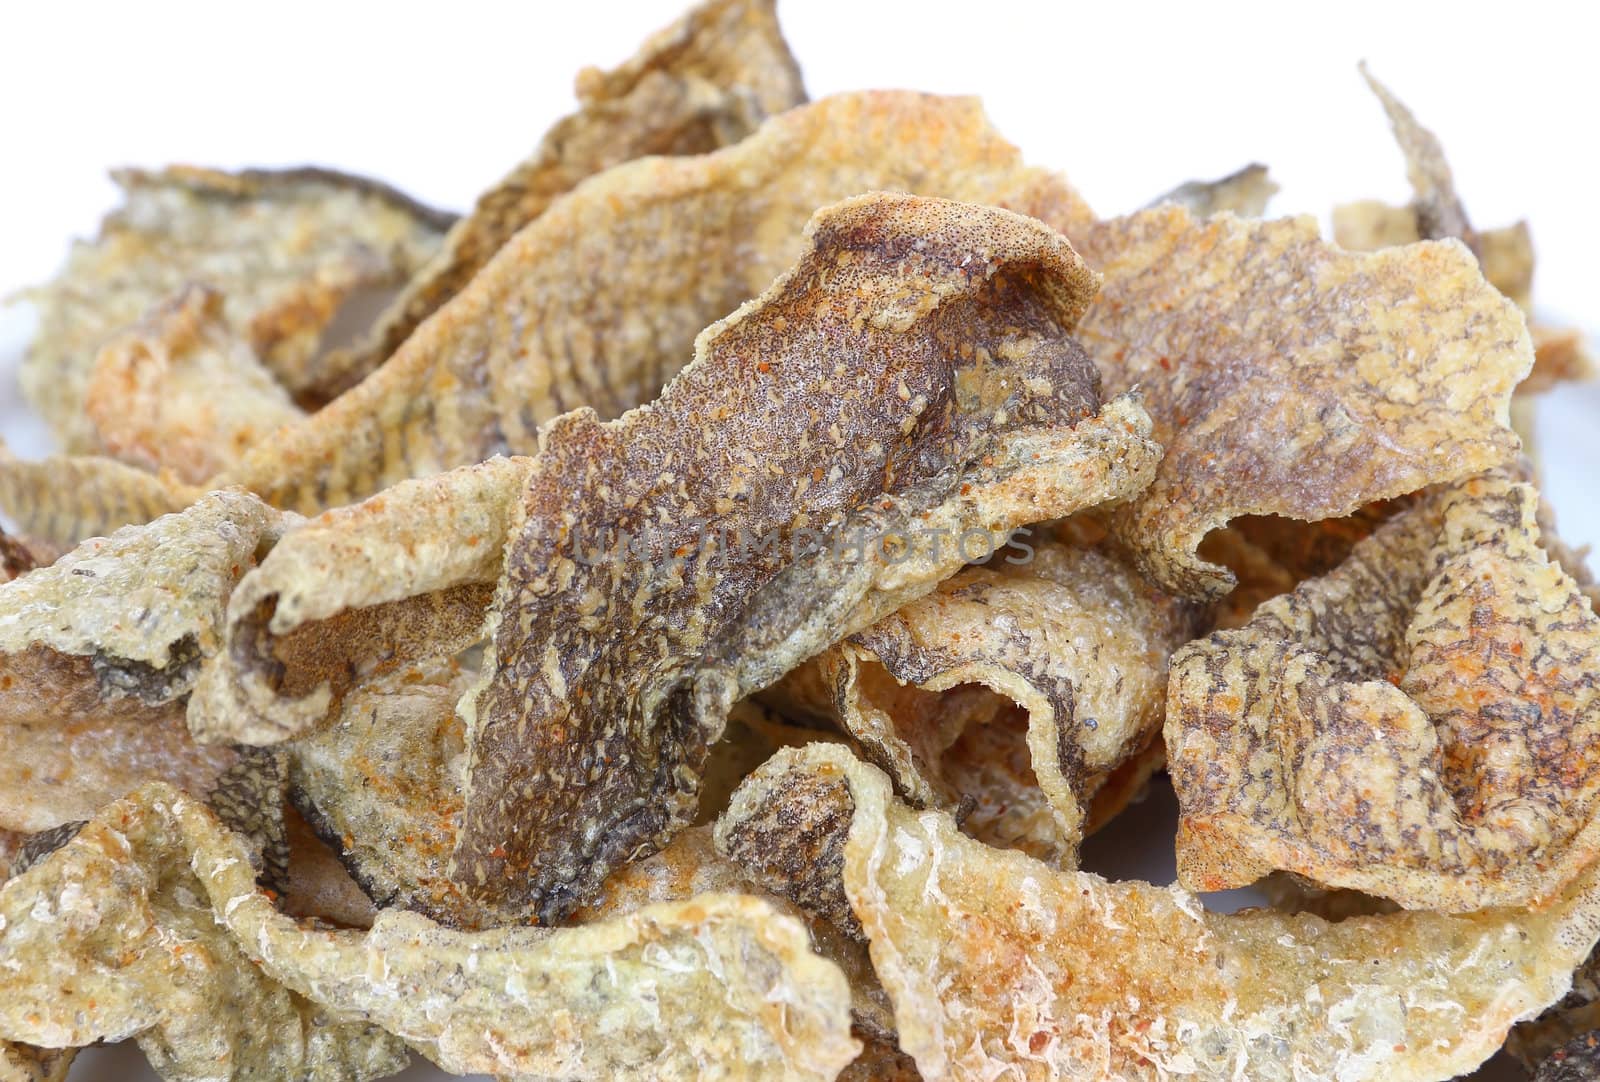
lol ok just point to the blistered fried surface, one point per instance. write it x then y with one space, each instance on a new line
112 936
179 391
591 305
1286 376
998 963
283 248
1073 635
699 84
1245 192
910 378
1416 724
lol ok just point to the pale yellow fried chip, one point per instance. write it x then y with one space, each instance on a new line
999 965
1245 192
720 980
1505 254
178 391
828 436
1073 635
1288 377
690 865
703 82
595 302
284 248
112 936
1416 724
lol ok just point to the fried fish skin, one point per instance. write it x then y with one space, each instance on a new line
283 247
1073 635
179 391
1285 376
99 650
777 439
996 962
111 936
590 305
910 375
705 81
1414 725
149 921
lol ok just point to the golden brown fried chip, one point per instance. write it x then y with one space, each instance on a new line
111 936
1505 254
707 80
591 304
98 650
284 248
1434 200
1073 635
1285 376
658 992
1416 724
788 488
178 391
1245 192
999 964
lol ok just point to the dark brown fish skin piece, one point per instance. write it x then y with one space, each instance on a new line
704 82
864 383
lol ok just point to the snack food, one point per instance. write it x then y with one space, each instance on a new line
648 515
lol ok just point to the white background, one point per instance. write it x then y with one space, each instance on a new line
1128 101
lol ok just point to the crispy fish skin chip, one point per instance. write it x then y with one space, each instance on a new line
98 650
1286 376
111 936
402 577
690 865
178 391
142 606
997 963
584 1006
1438 208
1073 635
284 248
701 83
61 500
910 378
1414 725
1245 192
590 305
